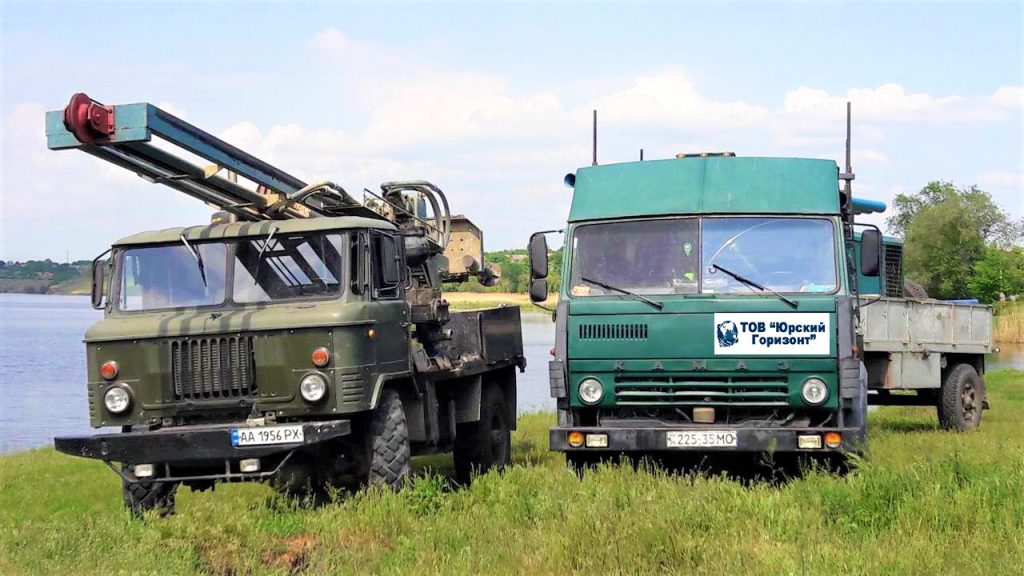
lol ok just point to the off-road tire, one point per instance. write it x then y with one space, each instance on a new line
389 443
960 399
145 495
487 444
913 289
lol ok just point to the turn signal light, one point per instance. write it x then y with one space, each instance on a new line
575 439
109 370
833 439
321 357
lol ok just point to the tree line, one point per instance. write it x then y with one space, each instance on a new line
958 243
515 273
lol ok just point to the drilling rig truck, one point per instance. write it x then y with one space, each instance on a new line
302 337
719 304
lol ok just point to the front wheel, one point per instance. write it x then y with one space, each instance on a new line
487 444
389 443
960 399
141 496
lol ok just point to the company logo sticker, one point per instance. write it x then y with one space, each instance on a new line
772 334
728 334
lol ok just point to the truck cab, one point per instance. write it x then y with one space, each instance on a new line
707 303
272 320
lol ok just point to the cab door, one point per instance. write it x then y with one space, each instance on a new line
387 301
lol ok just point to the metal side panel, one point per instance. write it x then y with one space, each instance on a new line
898 325
502 334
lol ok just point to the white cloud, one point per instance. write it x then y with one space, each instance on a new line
869 156
1002 179
1007 189
498 148
670 99
889 103
1009 97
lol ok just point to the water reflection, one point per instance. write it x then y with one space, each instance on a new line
1009 357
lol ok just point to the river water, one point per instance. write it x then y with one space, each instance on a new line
42 367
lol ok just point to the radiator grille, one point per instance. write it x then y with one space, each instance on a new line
894 270
683 391
213 368
613 331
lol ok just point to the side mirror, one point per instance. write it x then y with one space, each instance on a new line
99 278
870 252
538 290
538 257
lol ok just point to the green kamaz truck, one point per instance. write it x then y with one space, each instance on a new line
301 337
714 303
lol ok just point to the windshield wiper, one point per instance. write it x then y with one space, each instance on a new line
199 258
644 299
263 250
749 282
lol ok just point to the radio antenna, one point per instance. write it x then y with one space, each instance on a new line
595 139
848 175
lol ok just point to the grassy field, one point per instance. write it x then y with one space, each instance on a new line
924 502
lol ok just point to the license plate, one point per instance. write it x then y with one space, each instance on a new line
701 439
263 435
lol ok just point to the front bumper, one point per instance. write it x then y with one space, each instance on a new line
748 440
190 445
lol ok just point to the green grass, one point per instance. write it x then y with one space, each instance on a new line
924 502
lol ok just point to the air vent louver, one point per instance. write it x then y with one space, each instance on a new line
894 270
613 331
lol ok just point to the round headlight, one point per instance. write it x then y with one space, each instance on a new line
591 390
117 400
313 388
815 391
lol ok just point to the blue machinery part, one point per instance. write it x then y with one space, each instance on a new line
122 135
862 206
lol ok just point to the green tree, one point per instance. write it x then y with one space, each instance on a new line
999 271
947 230
991 222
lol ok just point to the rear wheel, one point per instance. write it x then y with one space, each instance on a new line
141 496
960 400
487 444
389 436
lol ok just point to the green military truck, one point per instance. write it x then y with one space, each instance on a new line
713 303
301 338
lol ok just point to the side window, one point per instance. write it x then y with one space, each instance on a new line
387 265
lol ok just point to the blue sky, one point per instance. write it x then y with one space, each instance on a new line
492 102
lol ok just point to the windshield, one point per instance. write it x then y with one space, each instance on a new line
781 254
285 268
169 277
672 256
641 256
